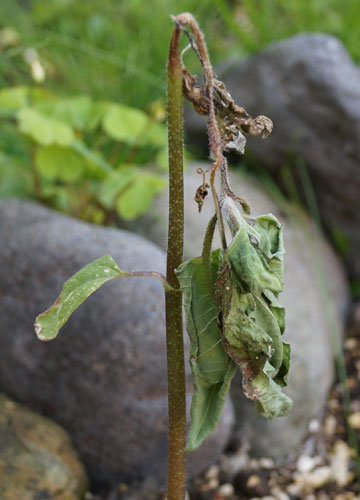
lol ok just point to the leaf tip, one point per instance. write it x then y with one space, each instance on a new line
38 329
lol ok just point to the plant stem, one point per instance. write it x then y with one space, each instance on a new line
173 298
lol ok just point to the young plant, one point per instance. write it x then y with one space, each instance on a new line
233 315
90 159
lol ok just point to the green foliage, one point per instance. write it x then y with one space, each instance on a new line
211 367
74 292
233 317
92 159
116 49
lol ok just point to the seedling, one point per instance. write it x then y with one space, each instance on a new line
233 315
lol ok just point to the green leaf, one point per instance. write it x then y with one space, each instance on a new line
207 403
79 112
126 124
44 130
137 199
74 292
282 375
256 255
275 403
57 162
123 123
248 343
114 183
15 179
12 99
254 325
94 157
211 367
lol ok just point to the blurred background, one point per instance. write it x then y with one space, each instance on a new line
75 62
83 131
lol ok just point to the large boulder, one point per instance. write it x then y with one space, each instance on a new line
104 377
309 86
37 459
315 297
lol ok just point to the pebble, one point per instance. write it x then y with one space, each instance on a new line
226 490
306 463
313 479
347 495
279 494
330 425
350 343
339 462
266 463
213 484
253 481
314 426
212 472
354 420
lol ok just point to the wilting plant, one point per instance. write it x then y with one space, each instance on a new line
233 315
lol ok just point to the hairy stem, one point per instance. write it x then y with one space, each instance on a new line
173 298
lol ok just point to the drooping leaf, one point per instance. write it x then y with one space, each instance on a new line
282 375
247 343
274 403
207 403
256 320
256 255
74 292
44 130
211 367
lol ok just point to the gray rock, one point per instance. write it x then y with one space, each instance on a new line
37 459
104 377
310 88
315 296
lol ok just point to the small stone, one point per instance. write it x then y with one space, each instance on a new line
306 463
350 343
213 484
314 426
266 463
347 495
295 489
330 425
341 454
318 477
226 490
279 494
354 420
253 481
351 383
212 472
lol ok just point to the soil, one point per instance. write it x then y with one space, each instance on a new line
325 467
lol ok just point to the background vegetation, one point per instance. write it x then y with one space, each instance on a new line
79 67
